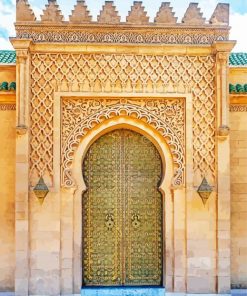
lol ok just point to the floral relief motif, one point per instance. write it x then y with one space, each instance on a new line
122 73
165 36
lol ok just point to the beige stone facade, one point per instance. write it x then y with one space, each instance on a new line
78 80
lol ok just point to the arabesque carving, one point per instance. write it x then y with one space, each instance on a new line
166 116
121 73
66 34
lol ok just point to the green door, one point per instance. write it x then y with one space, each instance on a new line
122 212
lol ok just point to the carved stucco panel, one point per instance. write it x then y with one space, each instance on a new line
165 36
121 73
166 116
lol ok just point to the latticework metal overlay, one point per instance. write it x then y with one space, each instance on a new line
122 211
121 73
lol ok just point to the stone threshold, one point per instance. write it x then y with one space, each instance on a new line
235 292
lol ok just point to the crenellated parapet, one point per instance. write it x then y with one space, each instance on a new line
138 28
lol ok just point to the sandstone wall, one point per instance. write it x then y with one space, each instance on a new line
7 208
7 184
238 135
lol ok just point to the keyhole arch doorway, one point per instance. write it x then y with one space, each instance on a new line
159 142
122 211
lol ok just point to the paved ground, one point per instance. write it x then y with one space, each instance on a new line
139 292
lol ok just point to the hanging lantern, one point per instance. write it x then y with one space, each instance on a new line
41 190
204 190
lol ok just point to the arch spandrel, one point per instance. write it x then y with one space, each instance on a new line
138 114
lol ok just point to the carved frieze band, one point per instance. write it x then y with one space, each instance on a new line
80 115
89 35
238 108
7 107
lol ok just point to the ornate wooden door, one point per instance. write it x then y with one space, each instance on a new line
122 212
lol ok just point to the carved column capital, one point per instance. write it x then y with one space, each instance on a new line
21 130
223 58
223 132
21 46
21 56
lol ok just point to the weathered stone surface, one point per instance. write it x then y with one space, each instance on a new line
109 14
24 13
221 15
47 239
80 14
137 15
193 15
238 136
165 15
7 185
52 14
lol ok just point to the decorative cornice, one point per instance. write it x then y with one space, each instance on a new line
7 107
137 14
238 108
137 29
122 34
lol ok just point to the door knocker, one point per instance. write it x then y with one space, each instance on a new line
136 221
109 221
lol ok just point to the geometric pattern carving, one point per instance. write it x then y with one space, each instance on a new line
121 73
165 15
109 14
7 107
52 14
193 15
80 14
79 115
180 35
23 12
137 15
238 108
220 16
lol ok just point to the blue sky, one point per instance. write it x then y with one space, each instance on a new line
238 18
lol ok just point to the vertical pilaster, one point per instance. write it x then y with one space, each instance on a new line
22 168
223 167
180 240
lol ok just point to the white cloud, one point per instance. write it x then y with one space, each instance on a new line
7 16
5 44
238 24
